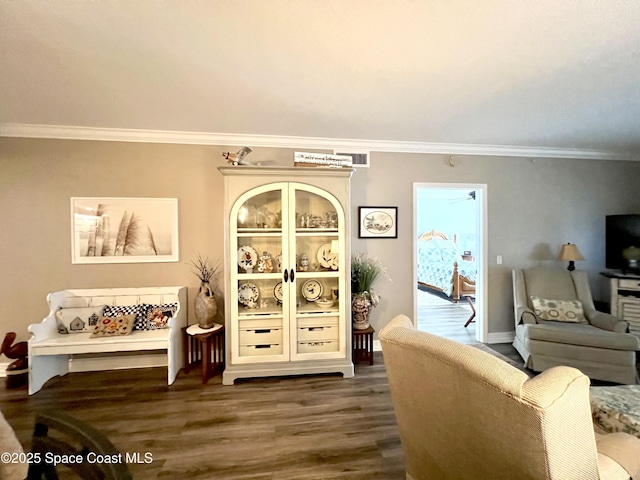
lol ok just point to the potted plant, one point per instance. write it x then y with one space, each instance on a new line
364 272
205 303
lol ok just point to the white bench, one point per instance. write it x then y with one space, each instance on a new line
52 353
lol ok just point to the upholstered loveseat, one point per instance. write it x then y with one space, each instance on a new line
465 414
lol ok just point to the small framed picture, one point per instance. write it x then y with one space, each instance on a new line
378 222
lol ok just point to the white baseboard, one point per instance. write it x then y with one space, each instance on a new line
501 337
3 369
376 346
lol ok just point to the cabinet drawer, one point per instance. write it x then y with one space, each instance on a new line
262 349
315 321
629 284
317 347
319 332
260 336
261 323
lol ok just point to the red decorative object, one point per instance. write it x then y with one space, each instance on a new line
18 370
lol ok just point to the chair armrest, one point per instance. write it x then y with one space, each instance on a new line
622 448
606 321
522 312
526 315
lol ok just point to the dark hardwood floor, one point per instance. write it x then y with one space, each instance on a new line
307 427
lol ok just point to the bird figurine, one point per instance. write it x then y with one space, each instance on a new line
17 371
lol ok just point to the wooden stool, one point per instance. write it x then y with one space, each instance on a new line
205 347
363 345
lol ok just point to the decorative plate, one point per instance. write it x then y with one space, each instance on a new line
277 292
247 257
311 290
248 294
326 258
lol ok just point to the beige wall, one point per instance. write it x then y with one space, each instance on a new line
534 207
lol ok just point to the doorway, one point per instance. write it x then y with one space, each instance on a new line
450 252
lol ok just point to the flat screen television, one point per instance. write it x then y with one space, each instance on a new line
622 233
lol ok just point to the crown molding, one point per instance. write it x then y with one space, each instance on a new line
277 141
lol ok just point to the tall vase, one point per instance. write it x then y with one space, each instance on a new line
206 306
360 310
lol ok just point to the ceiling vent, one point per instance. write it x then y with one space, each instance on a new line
359 158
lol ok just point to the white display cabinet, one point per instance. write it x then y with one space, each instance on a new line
287 271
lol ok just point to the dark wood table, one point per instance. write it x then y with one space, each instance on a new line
363 345
205 347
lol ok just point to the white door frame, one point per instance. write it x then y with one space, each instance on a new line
482 286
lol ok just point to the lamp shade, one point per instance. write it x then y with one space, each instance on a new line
570 253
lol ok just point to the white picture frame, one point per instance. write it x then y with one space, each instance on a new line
124 230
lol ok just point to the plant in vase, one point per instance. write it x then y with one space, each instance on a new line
364 272
205 303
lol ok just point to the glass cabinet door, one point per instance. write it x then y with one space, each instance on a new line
287 256
259 297
317 251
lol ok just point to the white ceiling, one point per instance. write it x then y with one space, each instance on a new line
557 74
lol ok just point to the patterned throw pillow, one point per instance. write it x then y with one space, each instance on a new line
117 310
157 316
558 310
78 320
112 326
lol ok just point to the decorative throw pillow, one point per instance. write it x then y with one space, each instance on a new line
559 310
112 326
78 320
157 316
117 310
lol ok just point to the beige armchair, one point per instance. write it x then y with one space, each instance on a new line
465 414
600 347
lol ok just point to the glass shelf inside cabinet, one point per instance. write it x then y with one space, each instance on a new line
318 253
261 214
314 214
260 298
259 234
323 306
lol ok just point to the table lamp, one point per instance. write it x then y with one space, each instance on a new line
570 253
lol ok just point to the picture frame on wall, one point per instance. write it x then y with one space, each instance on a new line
124 230
377 222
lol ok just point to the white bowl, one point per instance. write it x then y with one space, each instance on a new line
325 303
